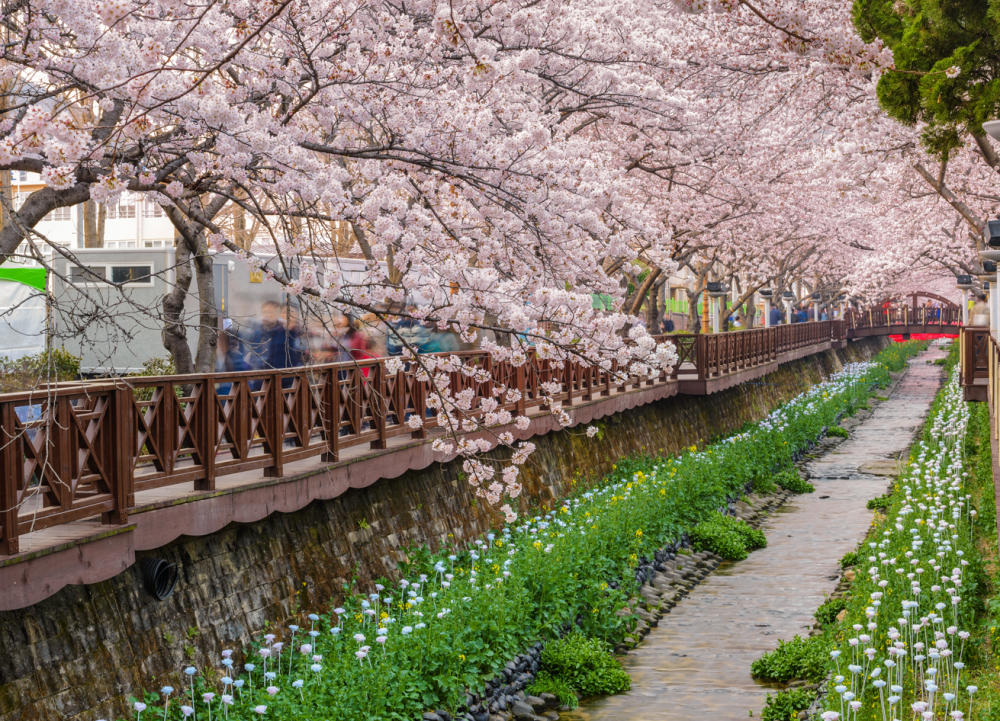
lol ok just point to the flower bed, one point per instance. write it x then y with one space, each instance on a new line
898 644
459 615
900 650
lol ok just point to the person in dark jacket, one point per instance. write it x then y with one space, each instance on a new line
775 315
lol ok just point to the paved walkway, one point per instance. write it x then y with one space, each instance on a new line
696 664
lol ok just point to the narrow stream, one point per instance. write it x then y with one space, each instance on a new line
696 664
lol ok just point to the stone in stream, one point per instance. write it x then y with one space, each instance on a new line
520 708
550 699
536 703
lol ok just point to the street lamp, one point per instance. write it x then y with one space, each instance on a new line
989 275
789 297
716 290
964 284
766 294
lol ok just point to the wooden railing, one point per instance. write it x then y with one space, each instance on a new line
932 319
721 354
974 355
80 450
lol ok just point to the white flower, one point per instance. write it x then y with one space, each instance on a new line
953 72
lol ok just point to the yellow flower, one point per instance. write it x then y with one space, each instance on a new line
537 544
693 448
461 657
638 534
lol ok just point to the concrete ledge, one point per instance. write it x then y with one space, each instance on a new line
28 579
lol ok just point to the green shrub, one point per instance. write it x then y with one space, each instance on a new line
763 485
29 371
798 658
837 432
791 481
827 613
879 502
726 536
546 683
850 559
584 664
786 705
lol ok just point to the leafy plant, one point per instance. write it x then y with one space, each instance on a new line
28 371
726 536
826 614
879 502
585 664
546 683
796 659
763 485
786 705
837 432
850 558
791 481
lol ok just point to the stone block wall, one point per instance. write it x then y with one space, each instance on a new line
80 653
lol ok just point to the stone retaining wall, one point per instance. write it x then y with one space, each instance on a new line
80 653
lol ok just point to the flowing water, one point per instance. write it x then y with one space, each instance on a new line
696 664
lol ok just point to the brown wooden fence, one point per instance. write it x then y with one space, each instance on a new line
79 450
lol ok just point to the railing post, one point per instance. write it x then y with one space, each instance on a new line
165 424
207 432
377 404
521 383
588 382
568 382
275 422
331 414
701 359
59 448
118 438
419 397
11 464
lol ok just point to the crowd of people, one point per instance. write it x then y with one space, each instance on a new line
279 339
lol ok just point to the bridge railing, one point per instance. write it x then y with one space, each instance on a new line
71 451
929 318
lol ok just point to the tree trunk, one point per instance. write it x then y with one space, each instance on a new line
208 314
174 331
8 196
652 314
94 215
693 323
502 339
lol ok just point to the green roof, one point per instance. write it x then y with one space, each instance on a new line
35 277
602 302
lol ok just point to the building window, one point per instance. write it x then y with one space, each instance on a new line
19 176
120 211
151 210
127 274
139 274
88 274
59 214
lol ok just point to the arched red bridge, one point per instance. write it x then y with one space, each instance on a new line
91 472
